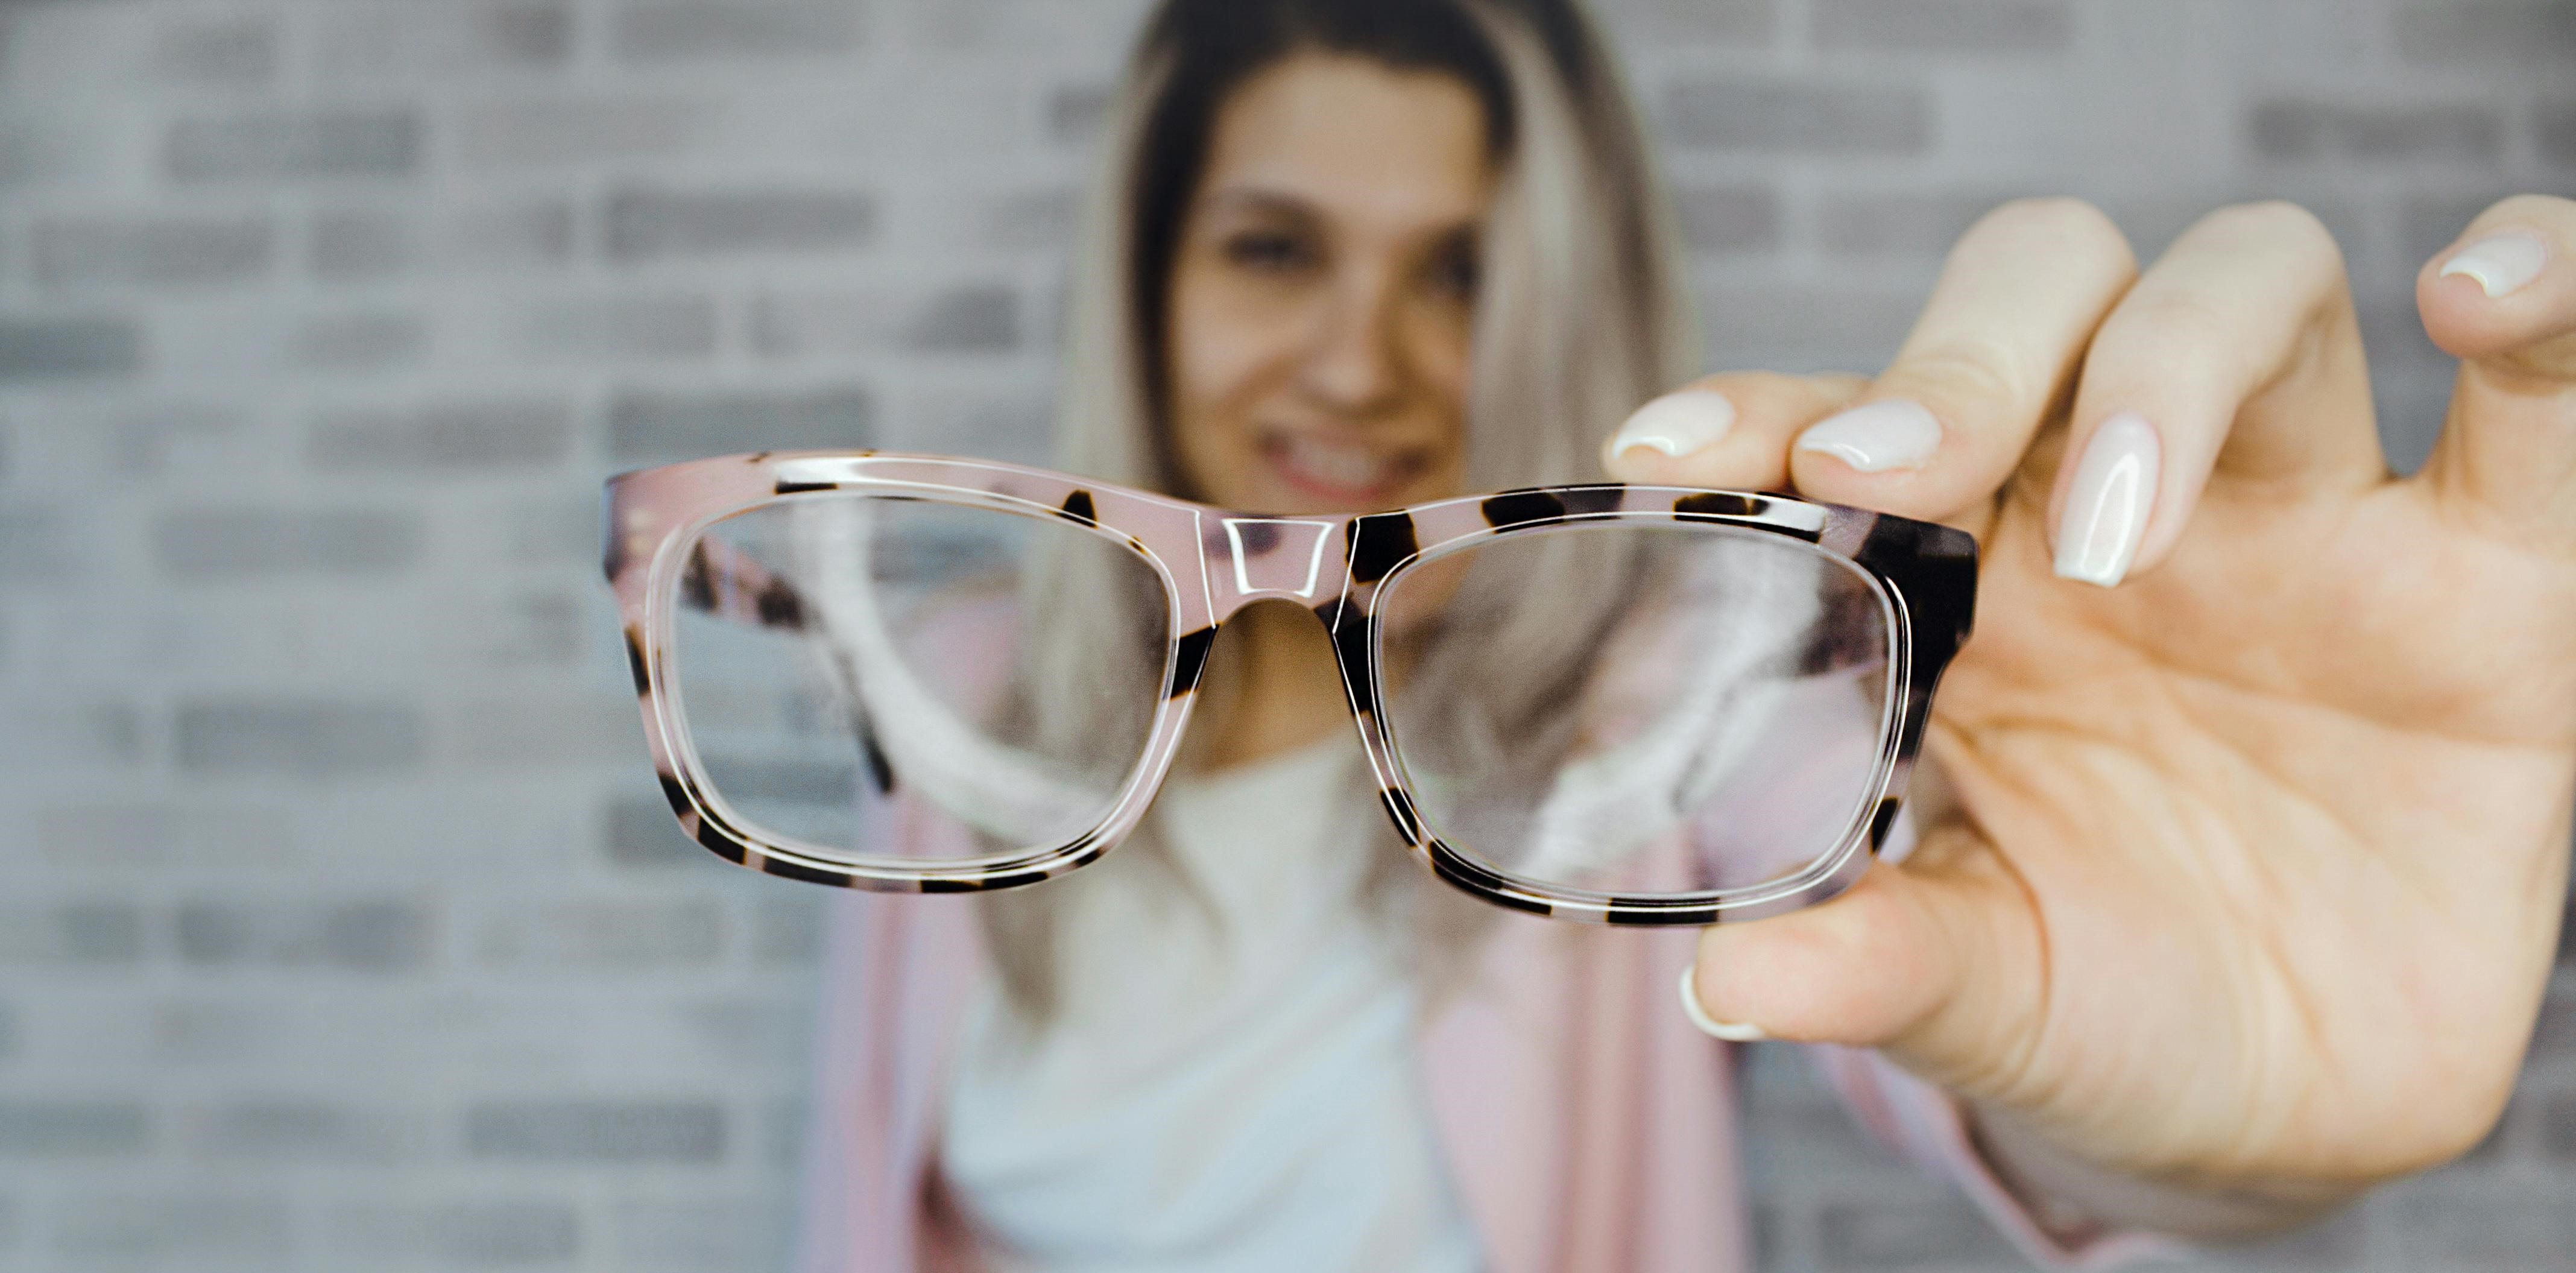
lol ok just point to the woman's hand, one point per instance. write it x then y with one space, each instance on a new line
2252 868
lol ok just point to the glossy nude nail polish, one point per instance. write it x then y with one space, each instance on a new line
2109 500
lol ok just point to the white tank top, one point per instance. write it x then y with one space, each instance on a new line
1238 1095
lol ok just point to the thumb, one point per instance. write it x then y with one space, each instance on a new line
2503 300
1940 965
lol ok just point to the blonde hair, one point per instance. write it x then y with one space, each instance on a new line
1579 318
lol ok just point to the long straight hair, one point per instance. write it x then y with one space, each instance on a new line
1579 317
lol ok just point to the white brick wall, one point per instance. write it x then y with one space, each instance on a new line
339 926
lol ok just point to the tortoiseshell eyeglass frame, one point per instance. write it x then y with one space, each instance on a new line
1212 563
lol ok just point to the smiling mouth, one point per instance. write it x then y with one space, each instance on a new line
1339 471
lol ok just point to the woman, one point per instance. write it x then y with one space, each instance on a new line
2205 941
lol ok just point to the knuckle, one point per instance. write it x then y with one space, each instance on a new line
2275 226
2065 223
2155 319
1974 376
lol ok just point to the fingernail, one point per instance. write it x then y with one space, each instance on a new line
2108 502
1893 433
1677 423
1732 1032
2500 262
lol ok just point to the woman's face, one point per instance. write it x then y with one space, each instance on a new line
1321 292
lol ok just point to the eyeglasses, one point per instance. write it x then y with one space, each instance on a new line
1625 704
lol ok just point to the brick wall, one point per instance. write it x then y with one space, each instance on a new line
339 927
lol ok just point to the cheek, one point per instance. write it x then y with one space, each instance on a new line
1223 353
1439 338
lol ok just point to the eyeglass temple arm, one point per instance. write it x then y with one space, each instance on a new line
722 581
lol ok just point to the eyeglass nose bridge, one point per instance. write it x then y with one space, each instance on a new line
1272 557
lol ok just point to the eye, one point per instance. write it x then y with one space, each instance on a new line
1454 271
1270 251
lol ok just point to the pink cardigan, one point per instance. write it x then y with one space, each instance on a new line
1586 1124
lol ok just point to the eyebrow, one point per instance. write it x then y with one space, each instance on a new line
1257 199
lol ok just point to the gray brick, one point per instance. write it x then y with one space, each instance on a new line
357 244
596 1131
2483 33
298 1131
972 318
1659 24
812 783
637 935
73 933
1770 1236
967 320
1751 113
1972 26
1809 1142
553 533
744 1031
128 1230
293 147
640 831
38 348
995 423
217 543
2554 130
1728 218
621 328
131 834
648 224
701 1235
31 1128
373 243
1899 1232
2341 1241
363 341
2295 129
548 133
160 252
2429 223
649 427
369 43
2510 1227
2558 1113
788 930
1027 219
1904 223
1801 327
502 1233
1076 112
52 734
233 51
662 30
373 936
36 544
560 728
532 629
304 738
475 436
786 1125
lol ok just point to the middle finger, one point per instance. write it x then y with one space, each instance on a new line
1938 434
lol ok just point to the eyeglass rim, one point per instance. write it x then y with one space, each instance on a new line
1925 574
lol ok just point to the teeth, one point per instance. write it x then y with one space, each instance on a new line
1348 466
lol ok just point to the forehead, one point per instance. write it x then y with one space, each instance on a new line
1356 140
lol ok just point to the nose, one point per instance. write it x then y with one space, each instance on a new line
1356 365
